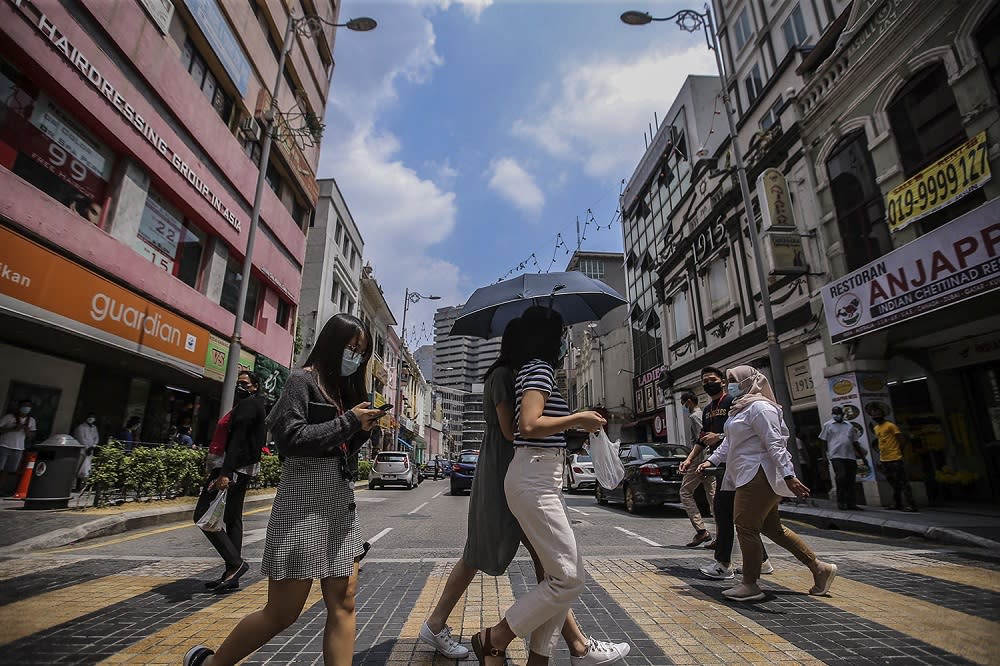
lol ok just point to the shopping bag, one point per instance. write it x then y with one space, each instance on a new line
212 519
607 465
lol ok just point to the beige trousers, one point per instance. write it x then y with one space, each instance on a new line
689 484
533 486
756 513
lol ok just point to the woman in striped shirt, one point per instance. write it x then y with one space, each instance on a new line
533 487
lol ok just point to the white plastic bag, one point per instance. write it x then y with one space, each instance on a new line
213 519
607 464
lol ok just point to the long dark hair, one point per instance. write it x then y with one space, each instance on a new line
508 345
540 337
327 355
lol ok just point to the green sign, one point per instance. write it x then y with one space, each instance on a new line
273 376
218 352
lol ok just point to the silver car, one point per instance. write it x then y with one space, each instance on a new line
579 472
393 468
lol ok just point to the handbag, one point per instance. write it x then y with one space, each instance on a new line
607 465
213 520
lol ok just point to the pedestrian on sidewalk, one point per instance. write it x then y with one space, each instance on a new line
17 427
692 479
713 422
232 469
313 530
760 470
87 434
533 488
129 434
890 450
841 441
493 534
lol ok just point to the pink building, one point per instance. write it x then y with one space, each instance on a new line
129 151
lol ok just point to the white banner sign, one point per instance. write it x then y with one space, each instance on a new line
953 263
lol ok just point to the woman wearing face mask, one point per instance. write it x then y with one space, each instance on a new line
86 433
759 466
313 529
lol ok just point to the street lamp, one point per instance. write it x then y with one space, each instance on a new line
690 20
410 297
307 26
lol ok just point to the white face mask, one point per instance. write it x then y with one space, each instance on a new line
91 420
24 410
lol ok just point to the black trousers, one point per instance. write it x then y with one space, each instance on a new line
725 528
845 473
229 543
895 474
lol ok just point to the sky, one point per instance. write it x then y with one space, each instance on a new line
469 135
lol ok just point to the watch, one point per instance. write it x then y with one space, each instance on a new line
789 477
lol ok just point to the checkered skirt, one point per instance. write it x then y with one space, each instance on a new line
313 530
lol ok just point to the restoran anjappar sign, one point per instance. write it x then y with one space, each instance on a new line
951 264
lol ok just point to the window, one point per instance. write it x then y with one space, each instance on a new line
284 314
718 284
333 291
681 311
273 179
255 291
794 28
988 39
231 292
298 212
857 198
252 149
221 101
772 116
354 258
925 119
742 30
754 84
592 268
336 235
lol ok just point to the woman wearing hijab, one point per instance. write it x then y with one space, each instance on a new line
759 468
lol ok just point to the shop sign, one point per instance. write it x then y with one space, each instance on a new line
960 172
660 425
273 376
970 351
161 11
218 354
161 228
63 130
220 37
35 281
857 394
800 381
776 205
648 395
782 241
953 263
79 61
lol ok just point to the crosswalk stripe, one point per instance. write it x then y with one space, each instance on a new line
21 567
44 611
959 633
984 579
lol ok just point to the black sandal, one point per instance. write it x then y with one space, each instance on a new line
486 650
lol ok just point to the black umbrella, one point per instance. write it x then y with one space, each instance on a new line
576 297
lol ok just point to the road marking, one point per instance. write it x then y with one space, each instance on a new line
374 500
582 513
379 535
438 495
410 513
639 537
253 536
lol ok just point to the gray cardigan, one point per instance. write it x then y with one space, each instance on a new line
296 436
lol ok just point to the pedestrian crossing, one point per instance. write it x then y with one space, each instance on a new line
895 606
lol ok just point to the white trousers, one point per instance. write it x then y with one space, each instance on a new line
534 493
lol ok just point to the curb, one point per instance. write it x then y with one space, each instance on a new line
840 520
116 524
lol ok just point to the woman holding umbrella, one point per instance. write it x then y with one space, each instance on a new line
533 488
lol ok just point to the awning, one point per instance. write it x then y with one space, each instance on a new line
404 443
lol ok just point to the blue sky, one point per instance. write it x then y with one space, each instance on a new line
466 134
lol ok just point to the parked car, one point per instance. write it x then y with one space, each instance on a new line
443 468
651 476
579 472
462 472
393 468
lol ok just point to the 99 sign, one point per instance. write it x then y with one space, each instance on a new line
953 176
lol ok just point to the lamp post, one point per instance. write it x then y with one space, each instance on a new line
410 297
307 26
690 20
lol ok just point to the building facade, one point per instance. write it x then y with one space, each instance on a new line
374 311
129 150
331 274
460 361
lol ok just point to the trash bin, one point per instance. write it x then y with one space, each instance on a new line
55 473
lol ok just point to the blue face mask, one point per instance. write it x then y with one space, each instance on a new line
734 390
350 363
687 410
838 417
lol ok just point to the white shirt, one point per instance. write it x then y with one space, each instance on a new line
86 434
755 437
839 438
14 440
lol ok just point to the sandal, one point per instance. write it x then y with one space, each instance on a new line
486 650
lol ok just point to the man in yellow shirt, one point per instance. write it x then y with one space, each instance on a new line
890 448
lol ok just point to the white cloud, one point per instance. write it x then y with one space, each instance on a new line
596 113
444 174
513 183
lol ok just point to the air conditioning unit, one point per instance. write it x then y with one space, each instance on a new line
250 128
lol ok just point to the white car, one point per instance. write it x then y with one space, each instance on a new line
579 472
393 468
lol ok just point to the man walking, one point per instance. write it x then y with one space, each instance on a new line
890 450
692 479
16 428
840 439
232 471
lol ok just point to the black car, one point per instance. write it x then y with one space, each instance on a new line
462 472
651 476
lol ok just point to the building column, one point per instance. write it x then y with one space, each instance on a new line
128 201
215 271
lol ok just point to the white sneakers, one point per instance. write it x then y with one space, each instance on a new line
444 643
717 572
765 568
823 579
601 652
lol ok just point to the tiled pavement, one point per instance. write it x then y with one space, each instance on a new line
900 607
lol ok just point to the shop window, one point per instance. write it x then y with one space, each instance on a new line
196 66
925 119
742 30
231 292
864 234
47 147
754 84
988 39
170 242
794 29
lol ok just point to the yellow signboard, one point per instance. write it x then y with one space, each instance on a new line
960 172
